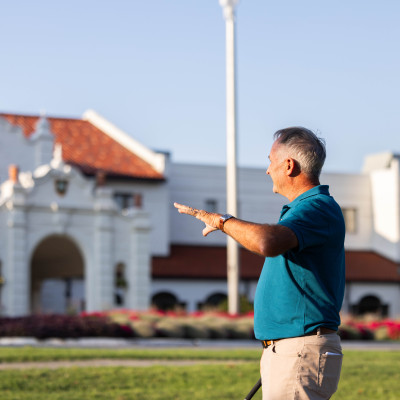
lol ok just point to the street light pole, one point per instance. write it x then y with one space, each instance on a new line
233 267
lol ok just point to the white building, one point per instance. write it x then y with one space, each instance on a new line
87 223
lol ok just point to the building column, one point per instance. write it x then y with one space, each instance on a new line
99 279
138 271
16 289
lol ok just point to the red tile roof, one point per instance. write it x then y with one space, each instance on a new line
369 266
195 262
89 148
203 262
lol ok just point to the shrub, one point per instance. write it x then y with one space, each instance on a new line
169 327
245 305
218 328
63 326
242 329
199 325
367 329
143 328
195 329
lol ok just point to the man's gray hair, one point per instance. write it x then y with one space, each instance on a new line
305 147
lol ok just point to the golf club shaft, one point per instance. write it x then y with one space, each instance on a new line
253 390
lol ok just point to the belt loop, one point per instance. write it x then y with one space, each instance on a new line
319 331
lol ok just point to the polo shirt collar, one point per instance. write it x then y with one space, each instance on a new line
320 189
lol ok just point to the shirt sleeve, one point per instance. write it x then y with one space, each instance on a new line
309 223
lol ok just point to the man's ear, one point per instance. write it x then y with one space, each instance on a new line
291 167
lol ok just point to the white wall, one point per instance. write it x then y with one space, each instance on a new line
386 213
155 202
194 184
353 191
197 291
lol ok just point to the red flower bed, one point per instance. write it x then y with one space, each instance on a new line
205 325
385 329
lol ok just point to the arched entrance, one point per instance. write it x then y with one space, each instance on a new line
57 276
371 304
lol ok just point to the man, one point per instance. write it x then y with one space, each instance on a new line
300 290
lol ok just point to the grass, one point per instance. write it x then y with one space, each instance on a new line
370 375
153 383
21 354
366 375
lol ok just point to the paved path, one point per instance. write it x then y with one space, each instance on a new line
112 363
111 343
105 343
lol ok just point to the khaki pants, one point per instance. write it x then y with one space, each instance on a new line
301 368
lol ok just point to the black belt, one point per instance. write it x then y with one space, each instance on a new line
319 331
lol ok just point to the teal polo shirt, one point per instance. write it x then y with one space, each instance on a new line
303 288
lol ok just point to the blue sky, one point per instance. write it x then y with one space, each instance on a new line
156 69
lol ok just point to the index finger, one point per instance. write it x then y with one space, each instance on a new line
185 209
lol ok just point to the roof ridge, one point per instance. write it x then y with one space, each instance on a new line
156 160
38 116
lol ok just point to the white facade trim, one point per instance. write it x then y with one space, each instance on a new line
33 212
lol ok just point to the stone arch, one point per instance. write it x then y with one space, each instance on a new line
57 271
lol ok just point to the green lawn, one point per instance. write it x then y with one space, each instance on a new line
17 354
366 375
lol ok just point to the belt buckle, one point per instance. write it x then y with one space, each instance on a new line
266 343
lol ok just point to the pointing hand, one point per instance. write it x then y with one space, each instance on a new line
210 219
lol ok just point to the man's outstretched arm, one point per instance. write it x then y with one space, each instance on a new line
263 239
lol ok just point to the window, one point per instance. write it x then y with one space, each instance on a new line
371 305
127 200
211 205
120 284
350 219
164 301
213 302
124 200
216 299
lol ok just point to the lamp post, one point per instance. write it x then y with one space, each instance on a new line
233 268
